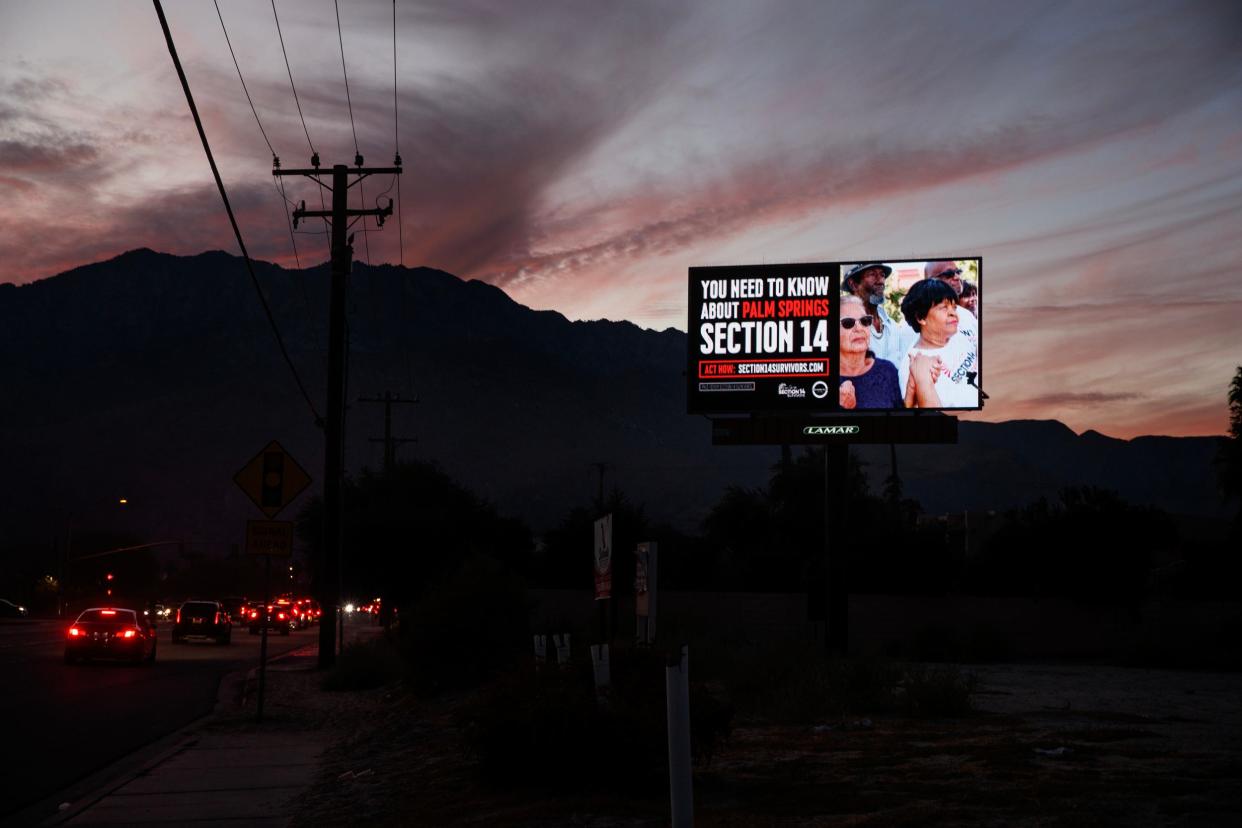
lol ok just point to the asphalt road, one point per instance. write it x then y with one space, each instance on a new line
62 723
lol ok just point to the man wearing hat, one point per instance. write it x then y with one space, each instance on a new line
889 340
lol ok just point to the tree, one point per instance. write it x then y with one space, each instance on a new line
412 527
1089 545
1229 454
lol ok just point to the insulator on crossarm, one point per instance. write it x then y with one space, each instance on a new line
396 161
315 160
275 162
357 159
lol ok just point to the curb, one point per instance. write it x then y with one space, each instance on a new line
230 695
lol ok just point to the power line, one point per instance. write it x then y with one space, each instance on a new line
243 80
275 160
396 139
366 239
279 182
340 39
309 143
396 150
185 85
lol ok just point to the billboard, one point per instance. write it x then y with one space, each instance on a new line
835 337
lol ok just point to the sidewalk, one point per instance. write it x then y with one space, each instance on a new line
229 771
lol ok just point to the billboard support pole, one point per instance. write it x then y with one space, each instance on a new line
836 611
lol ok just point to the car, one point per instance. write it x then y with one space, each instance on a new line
235 606
313 609
110 632
276 616
297 618
202 618
8 609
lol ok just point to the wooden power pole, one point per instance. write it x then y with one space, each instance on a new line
390 443
334 420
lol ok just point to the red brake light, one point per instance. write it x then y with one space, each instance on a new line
74 631
178 615
280 615
128 634
217 621
107 612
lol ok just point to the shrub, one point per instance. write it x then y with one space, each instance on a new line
470 626
799 686
935 692
364 665
545 727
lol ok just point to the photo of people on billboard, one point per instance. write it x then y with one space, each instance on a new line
909 335
889 335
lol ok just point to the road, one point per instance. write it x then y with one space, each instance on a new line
62 723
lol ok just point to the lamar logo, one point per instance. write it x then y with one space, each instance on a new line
790 390
819 430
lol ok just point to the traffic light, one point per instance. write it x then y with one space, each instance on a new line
273 479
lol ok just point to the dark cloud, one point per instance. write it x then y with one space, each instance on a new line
33 158
1077 400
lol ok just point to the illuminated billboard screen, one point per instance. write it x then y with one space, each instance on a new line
831 337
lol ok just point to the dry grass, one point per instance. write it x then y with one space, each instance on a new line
401 761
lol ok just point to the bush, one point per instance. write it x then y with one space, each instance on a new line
546 726
935 692
469 627
799 686
364 665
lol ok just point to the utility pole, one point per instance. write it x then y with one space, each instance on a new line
334 422
836 591
600 466
390 442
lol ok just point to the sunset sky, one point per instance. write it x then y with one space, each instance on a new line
582 155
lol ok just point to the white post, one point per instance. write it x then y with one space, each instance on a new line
677 699
562 649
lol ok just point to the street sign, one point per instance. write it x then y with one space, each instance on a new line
273 538
272 479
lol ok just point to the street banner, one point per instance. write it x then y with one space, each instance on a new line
603 558
645 590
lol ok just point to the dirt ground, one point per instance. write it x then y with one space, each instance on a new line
1048 745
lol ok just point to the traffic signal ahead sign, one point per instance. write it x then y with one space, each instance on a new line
269 537
272 479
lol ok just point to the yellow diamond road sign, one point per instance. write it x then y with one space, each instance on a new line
272 479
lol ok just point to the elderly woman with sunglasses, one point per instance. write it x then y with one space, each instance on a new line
866 381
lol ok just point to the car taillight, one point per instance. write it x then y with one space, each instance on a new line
74 631
107 612
281 616
217 621
254 613
128 634
178 616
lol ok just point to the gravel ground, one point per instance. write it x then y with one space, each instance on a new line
1049 745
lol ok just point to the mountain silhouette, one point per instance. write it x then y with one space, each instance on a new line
156 377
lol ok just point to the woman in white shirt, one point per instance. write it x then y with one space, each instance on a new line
940 369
